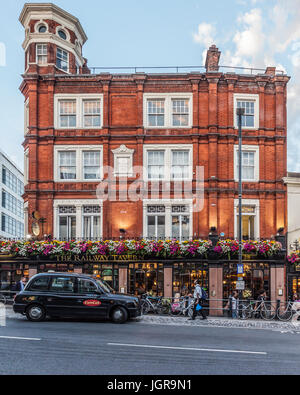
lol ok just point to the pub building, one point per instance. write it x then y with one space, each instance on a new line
178 127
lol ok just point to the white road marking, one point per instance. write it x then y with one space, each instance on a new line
188 348
20 338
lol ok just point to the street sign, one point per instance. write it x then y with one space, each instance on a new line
240 285
240 269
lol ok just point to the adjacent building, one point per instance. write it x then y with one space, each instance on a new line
12 206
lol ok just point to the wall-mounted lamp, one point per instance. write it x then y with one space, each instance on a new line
122 233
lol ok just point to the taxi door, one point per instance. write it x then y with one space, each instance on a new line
90 302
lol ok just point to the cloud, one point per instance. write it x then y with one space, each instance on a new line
205 35
267 35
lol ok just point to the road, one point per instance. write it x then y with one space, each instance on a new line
72 347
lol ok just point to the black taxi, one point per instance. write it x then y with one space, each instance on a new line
72 295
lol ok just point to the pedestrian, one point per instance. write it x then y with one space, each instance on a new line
21 284
198 300
232 304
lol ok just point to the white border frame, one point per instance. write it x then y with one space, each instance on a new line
247 148
168 97
79 110
78 203
79 164
246 97
248 202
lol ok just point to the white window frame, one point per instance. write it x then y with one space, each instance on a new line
247 148
247 97
36 53
168 97
68 60
168 203
79 110
79 149
248 202
168 148
79 204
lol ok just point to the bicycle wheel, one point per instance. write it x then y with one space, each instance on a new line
145 308
285 315
244 311
267 312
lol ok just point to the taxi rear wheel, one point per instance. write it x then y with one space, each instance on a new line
36 313
119 315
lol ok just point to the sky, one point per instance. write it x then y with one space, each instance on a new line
249 33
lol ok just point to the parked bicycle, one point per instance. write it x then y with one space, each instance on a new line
183 306
157 305
256 309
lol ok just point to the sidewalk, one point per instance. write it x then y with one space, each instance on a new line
220 322
217 322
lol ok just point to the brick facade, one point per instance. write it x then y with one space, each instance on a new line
213 136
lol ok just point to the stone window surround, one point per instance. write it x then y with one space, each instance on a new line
79 109
249 148
123 152
79 161
246 97
248 202
168 148
79 204
168 203
168 108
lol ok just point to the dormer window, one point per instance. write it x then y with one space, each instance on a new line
62 34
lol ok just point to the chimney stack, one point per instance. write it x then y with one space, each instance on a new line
212 59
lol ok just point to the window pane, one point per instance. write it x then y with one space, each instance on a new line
86 286
151 226
62 284
40 284
175 227
161 226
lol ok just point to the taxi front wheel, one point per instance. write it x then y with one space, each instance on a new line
119 315
35 313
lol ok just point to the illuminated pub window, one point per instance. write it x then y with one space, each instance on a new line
106 272
146 278
296 286
184 275
256 277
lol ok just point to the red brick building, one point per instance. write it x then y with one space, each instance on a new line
78 122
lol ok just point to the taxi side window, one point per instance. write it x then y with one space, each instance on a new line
86 286
40 284
62 284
